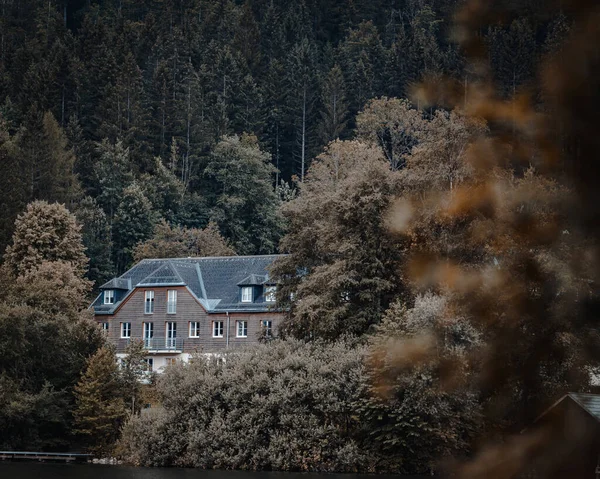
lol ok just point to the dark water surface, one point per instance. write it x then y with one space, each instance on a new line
35 470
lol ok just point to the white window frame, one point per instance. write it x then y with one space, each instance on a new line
171 301
267 327
149 302
247 294
244 328
149 365
125 330
270 292
109 296
218 330
170 361
148 334
105 327
194 329
171 334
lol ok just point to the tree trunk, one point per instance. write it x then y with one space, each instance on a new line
303 132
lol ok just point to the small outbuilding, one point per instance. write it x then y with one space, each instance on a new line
571 431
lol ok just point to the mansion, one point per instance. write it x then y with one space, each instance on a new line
185 306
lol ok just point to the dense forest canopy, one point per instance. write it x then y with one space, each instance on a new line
92 92
434 211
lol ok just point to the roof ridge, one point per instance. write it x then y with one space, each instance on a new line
148 275
214 257
201 281
174 268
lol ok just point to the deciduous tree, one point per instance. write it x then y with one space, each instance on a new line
343 265
178 242
45 232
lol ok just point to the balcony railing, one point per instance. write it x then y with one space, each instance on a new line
164 344
154 345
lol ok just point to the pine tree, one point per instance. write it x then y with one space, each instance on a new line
244 204
12 184
99 408
362 59
47 161
334 115
113 174
123 112
95 232
133 223
302 88
512 56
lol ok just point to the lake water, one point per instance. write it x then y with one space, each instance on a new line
34 470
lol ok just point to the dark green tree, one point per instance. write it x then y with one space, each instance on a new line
243 203
96 237
133 223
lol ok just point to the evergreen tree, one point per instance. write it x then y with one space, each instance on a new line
244 204
134 222
95 232
334 115
123 113
47 162
113 175
302 88
512 56
12 184
362 58
99 408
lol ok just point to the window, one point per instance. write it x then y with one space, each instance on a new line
242 329
148 334
149 364
267 326
125 330
109 296
247 294
171 301
217 329
270 293
171 361
149 303
105 327
171 338
194 329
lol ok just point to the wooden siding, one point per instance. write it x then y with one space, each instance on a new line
188 309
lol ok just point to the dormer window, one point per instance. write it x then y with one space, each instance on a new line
270 292
246 294
109 296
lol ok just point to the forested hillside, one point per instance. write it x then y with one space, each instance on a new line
438 206
132 112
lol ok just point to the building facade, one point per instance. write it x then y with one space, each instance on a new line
186 306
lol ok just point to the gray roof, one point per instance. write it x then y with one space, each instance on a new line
589 402
253 280
117 283
214 281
